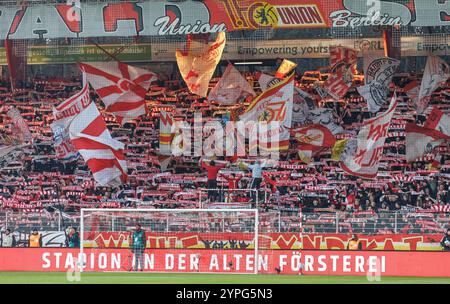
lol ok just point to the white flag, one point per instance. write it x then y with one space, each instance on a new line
325 117
420 141
379 75
436 72
231 87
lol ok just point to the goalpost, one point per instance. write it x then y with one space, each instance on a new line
176 240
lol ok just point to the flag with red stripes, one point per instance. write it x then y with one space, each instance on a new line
103 154
121 87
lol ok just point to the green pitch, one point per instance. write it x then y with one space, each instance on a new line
166 278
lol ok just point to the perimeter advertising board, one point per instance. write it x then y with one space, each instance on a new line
354 263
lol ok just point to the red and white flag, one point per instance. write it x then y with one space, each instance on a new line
273 105
64 113
378 73
231 88
437 120
420 141
121 87
412 89
103 154
312 140
436 72
198 63
340 55
365 160
338 84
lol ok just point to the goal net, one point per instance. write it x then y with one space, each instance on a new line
170 240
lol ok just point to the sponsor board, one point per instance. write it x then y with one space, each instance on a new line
359 263
83 53
310 48
160 18
234 50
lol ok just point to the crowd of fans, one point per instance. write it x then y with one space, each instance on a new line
33 179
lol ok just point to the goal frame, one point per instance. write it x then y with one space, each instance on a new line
255 212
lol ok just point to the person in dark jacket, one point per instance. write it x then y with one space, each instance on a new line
445 242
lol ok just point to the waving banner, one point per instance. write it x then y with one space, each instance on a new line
378 75
365 160
285 68
165 133
338 84
103 154
64 113
198 63
273 105
342 56
436 72
325 117
421 141
311 140
121 87
303 103
437 120
231 87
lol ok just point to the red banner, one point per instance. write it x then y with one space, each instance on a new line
359 263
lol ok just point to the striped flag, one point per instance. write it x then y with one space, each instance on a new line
121 87
103 155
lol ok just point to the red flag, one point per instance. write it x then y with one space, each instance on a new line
16 55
